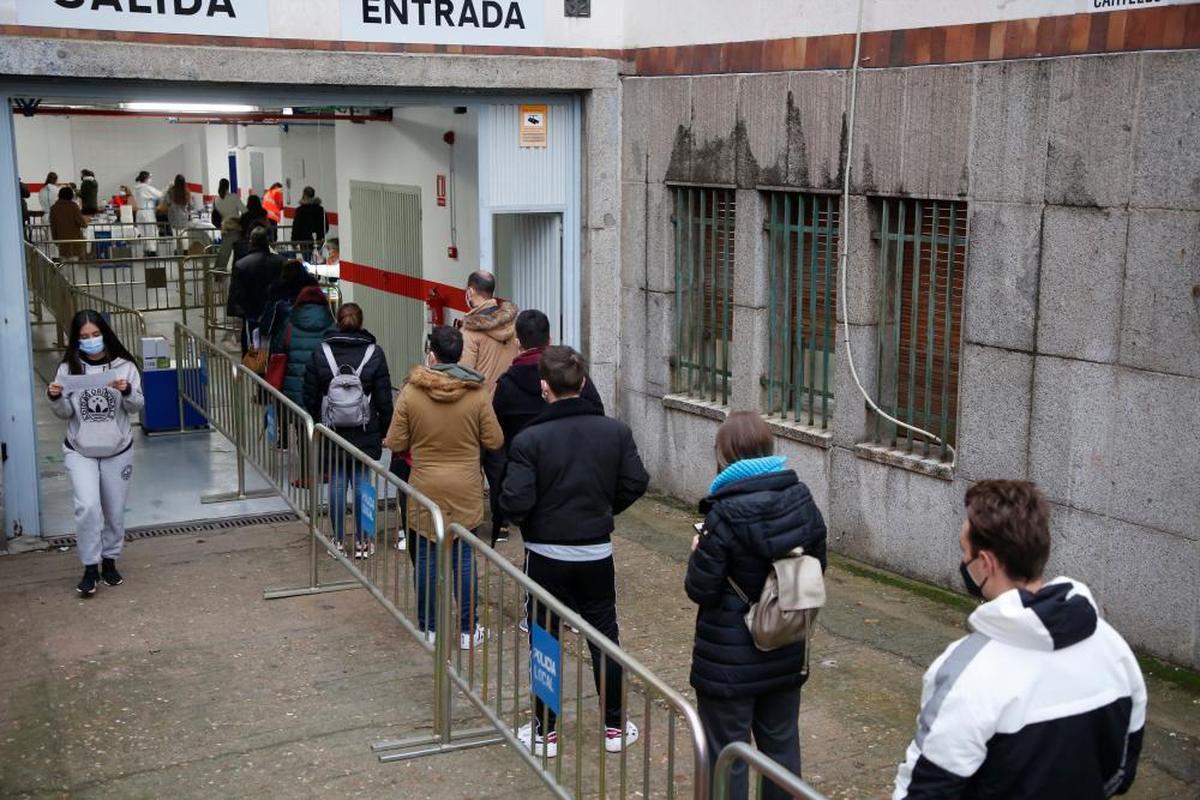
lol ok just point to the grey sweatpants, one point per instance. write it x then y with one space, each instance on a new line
100 485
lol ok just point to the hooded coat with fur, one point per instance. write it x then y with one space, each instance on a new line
490 340
443 418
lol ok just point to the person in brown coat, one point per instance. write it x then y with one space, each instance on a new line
67 223
489 331
444 417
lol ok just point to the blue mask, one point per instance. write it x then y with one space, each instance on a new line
93 346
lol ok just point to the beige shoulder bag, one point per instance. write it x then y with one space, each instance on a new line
786 610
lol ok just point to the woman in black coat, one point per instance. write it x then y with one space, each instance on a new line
756 512
348 345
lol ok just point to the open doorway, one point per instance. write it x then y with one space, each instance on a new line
528 253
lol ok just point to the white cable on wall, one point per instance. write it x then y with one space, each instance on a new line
845 250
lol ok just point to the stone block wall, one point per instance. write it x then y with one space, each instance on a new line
1080 361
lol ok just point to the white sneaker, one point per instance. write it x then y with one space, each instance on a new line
401 540
547 744
612 737
468 642
429 636
524 625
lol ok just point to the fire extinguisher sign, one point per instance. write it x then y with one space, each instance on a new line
441 190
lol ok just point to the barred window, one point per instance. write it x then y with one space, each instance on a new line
704 247
802 253
923 253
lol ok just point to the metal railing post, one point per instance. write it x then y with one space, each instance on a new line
314 500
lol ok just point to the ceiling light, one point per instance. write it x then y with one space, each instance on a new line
190 108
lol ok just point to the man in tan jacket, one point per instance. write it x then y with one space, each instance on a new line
489 346
489 330
444 418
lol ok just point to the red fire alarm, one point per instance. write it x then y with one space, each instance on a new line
452 252
441 190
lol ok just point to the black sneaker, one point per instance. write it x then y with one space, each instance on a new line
109 574
500 535
87 585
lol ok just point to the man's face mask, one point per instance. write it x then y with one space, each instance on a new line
974 588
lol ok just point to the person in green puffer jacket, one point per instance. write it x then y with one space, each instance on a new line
300 336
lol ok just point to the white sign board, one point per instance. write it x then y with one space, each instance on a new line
476 22
195 17
1131 5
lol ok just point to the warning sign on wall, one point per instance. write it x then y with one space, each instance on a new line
534 124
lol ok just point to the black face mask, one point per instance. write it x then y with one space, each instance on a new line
974 589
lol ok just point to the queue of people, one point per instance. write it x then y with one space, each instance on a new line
1042 698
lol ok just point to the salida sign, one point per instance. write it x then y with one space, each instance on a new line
480 22
204 17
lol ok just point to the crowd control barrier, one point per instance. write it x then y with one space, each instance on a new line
500 669
761 766
51 291
466 604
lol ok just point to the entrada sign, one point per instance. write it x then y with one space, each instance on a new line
480 22
202 17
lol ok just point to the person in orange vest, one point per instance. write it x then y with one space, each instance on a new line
273 202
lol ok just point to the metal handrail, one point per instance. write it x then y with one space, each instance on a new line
766 767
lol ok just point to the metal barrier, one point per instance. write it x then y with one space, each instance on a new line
495 672
766 768
443 586
128 274
50 289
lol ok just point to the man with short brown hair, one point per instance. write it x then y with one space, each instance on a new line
1043 698
570 472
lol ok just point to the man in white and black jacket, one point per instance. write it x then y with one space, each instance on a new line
570 471
1043 699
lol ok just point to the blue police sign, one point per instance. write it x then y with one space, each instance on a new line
368 501
545 668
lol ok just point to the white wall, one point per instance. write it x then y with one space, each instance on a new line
310 159
116 149
409 151
644 23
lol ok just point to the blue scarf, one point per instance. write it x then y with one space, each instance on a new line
747 468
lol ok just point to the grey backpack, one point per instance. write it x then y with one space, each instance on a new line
346 405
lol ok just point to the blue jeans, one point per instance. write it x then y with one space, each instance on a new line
464 589
341 478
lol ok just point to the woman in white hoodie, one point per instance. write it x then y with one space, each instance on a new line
97 390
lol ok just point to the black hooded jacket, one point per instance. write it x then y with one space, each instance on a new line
569 473
749 523
348 348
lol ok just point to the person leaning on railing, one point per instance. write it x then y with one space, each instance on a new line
66 225
756 511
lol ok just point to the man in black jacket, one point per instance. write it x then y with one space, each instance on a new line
518 400
252 275
569 473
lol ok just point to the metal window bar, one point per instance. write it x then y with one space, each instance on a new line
922 263
764 767
802 240
704 258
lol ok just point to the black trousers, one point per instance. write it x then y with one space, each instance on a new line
589 589
494 462
774 721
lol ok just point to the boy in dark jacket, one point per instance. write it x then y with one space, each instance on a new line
518 400
569 473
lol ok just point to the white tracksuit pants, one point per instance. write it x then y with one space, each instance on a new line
101 486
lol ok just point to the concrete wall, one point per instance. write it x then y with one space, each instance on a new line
1081 353
310 159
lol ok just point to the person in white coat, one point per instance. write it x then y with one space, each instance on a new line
97 390
146 200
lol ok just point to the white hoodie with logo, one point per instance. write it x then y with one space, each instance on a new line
99 424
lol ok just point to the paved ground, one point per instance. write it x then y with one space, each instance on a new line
185 683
